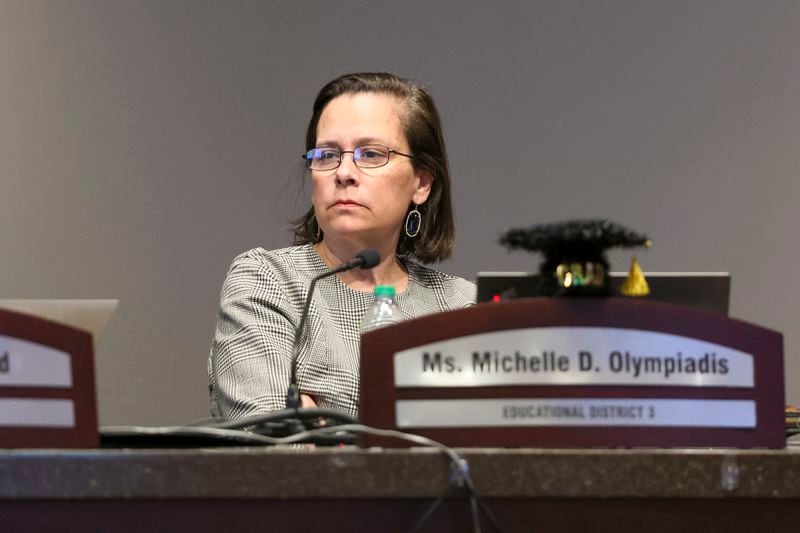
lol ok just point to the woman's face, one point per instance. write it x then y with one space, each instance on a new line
368 205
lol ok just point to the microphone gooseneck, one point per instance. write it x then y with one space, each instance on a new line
365 259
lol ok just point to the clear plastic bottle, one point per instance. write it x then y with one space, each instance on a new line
384 312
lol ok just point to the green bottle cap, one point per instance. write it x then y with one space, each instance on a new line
385 291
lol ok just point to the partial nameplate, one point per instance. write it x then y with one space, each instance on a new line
573 356
36 412
28 364
581 412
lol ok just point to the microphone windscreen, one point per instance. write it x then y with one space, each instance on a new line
369 257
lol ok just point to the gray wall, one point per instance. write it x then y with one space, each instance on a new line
143 144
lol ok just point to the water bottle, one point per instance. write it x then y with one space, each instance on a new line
384 312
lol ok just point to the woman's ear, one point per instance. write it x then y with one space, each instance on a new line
423 188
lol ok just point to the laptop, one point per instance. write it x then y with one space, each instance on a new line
88 315
709 291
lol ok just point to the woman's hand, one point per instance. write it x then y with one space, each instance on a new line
307 401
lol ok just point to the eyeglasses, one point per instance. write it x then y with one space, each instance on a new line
366 156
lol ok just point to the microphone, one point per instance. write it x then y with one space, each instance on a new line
366 259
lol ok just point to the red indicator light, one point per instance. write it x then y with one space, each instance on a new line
496 298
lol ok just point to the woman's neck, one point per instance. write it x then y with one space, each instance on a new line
389 271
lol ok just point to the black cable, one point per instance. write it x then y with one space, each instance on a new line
473 511
483 507
188 431
286 414
470 487
427 514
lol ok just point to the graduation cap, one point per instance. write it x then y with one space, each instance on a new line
575 262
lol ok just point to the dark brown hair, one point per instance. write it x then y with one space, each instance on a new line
423 132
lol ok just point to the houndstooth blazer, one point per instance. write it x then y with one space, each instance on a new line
260 307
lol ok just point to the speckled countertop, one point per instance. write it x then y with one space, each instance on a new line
396 473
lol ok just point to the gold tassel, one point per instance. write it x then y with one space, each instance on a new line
635 284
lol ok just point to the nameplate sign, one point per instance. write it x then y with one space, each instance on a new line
575 372
28 364
576 412
47 392
573 356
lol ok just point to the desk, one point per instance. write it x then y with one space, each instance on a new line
350 489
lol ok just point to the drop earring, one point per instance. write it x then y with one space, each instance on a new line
318 233
413 222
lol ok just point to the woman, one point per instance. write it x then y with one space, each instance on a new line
379 174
